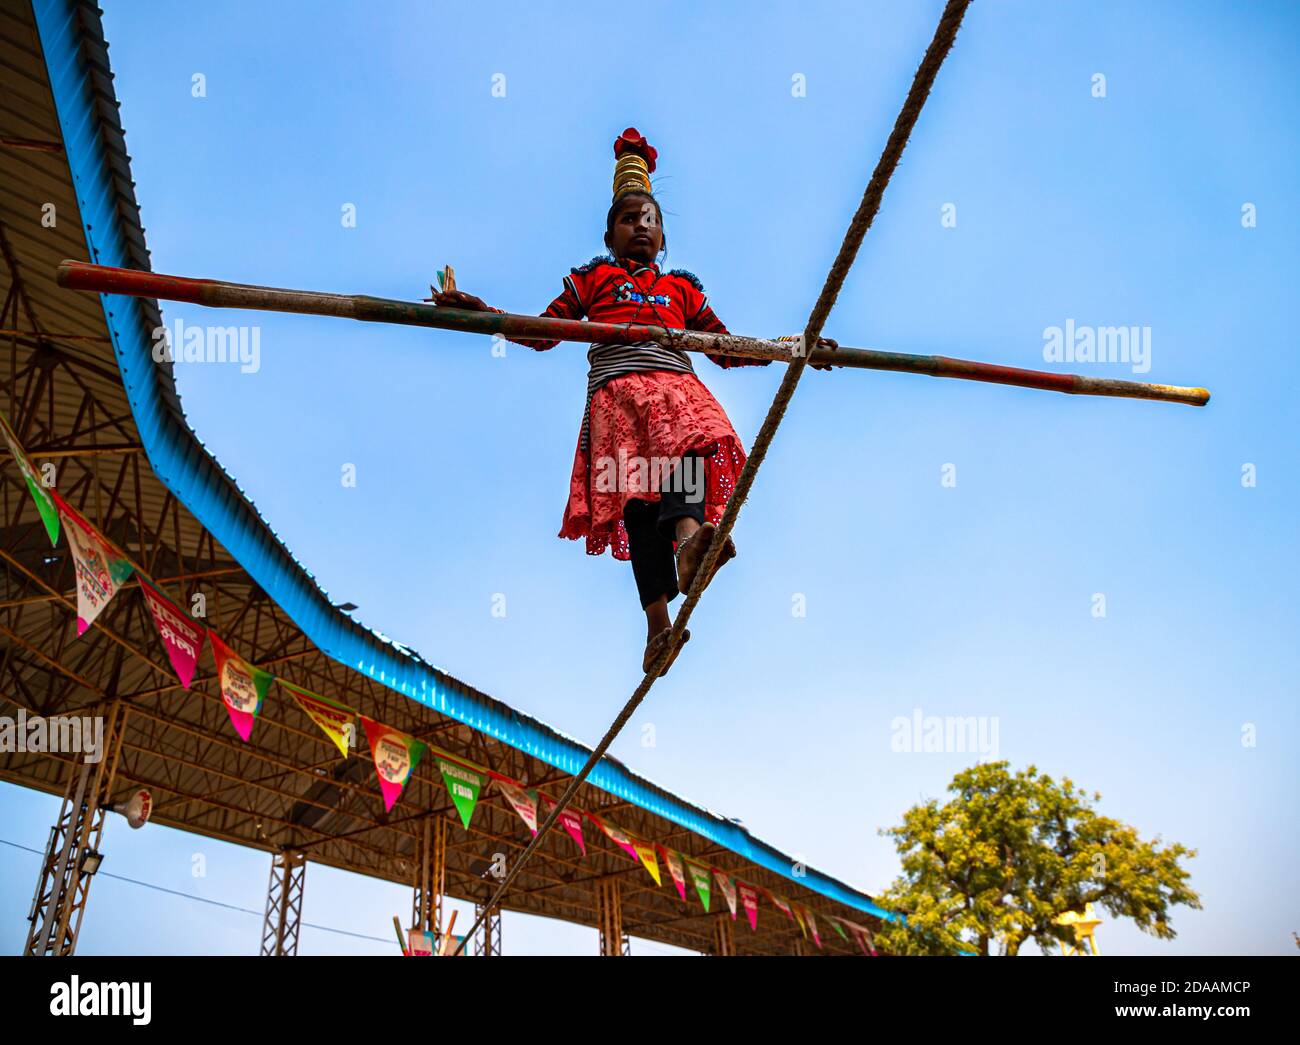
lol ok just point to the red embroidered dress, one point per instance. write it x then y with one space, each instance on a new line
644 401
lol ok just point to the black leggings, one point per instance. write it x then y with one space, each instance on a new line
651 529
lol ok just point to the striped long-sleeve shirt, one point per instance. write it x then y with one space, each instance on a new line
607 291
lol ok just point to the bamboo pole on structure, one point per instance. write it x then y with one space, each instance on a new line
79 275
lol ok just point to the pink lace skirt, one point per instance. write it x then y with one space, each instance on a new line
650 417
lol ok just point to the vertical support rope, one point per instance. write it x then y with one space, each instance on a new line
944 35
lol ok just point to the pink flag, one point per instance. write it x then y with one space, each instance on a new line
243 687
396 755
181 637
571 820
749 899
863 935
617 837
857 937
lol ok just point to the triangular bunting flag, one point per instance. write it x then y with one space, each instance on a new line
857 937
616 836
44 503
835 924
396 755
812 925
781 905
334 720
646 851
863 935
181 637
700 878
464 786
524 802
749 900
674 862
243 687
101 571
571 820
856 932
728 890
798 914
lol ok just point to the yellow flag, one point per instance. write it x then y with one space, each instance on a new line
803 926
647 854
335 720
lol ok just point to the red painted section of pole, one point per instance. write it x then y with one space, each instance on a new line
1009 375
81 275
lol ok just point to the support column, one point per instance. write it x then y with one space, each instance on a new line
487 941
72 856
430 885
609 917
724 941
284 904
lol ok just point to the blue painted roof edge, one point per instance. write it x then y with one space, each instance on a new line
213 497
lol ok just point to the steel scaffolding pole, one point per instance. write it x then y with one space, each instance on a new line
428 891
724 939
487 938
72 855
614 941
284 904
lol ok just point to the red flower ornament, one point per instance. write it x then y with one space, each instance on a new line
631 140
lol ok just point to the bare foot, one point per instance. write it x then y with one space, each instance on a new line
656 645
691 552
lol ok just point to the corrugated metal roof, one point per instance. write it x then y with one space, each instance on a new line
76 63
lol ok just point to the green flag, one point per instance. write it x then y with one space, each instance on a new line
44 503
464 786
700 876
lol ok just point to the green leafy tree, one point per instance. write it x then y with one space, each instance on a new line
998 863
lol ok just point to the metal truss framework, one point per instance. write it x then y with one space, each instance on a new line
283 915
487 938
430 885
614 940
72 855
725 945
288 790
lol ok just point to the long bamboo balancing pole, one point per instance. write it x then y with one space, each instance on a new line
79 275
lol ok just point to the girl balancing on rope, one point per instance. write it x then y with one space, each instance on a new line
657 457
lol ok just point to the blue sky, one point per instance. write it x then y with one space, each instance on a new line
968 600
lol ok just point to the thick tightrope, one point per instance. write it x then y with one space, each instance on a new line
940 45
